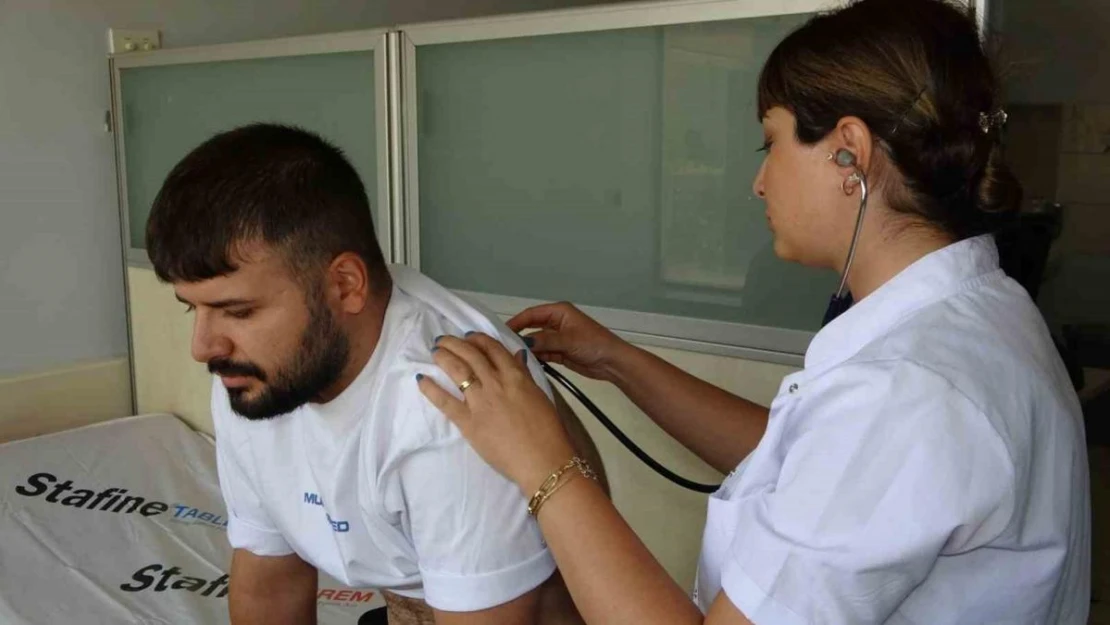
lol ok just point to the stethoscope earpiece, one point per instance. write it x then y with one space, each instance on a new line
844 158
842 300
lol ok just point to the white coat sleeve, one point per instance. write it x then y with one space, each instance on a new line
891 468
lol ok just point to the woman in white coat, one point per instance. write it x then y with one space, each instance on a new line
928 464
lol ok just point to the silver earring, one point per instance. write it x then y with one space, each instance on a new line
850 183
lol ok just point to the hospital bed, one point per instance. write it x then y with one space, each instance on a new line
123 522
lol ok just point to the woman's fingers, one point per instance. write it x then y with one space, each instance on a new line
455 409
555 357
546 341
457 369
506 416
453 350
542 316
494 352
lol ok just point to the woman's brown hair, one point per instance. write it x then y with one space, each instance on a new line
916 73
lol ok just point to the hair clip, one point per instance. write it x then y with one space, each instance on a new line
992 121
907 111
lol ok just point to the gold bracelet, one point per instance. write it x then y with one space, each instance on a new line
539 504
547 486
553 483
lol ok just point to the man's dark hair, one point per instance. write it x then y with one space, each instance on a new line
278 185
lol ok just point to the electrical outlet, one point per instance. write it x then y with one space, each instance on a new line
124 40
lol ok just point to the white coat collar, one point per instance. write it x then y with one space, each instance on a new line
930 279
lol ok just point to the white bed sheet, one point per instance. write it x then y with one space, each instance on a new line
123 522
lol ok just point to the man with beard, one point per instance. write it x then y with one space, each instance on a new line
329 457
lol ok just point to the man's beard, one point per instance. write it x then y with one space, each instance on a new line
318 363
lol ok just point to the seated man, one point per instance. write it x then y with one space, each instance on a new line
329 456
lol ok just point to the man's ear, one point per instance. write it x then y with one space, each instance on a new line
349 280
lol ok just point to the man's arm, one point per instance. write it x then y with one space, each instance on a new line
550 604
271 590
520 611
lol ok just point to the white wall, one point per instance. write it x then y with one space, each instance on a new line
61 277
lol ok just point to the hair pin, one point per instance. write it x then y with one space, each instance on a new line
908 110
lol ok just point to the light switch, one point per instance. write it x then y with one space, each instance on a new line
121 40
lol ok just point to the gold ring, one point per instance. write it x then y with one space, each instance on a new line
467 384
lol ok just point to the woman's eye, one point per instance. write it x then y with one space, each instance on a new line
766 147
190 308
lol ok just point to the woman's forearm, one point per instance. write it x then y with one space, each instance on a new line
611 575
721 428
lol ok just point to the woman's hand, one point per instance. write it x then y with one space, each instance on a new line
505 416
567 336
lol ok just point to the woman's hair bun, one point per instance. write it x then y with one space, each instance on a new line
999 194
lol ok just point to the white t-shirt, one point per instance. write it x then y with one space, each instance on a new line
377 488
927 466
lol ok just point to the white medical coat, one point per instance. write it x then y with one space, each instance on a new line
927 466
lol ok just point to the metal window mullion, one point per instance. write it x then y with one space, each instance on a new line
606 17
304 45
116 104
395 165
409 149
382 204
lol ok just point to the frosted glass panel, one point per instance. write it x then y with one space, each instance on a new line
170 109
610 169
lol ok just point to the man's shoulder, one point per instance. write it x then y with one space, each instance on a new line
399 420
405 420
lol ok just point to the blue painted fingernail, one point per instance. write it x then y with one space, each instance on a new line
529 341
469 333
435 349
436 340
419 376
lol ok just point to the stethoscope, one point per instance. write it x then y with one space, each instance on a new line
842 299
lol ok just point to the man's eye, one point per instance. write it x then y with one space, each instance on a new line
240 314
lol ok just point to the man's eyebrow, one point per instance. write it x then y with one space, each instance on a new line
223 303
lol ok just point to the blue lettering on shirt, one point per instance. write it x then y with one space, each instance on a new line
338 526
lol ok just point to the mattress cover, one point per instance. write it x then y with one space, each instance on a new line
123 522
